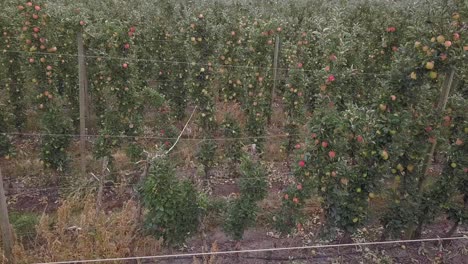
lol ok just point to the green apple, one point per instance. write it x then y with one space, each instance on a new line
430 65
384 155
382 107
400 167
440 39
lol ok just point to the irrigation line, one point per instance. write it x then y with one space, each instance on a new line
256 250
182 132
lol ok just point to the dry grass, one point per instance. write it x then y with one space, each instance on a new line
209 259
78 233
274 150
186 151
233 108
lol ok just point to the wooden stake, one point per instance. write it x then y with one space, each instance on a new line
275 75
83 84
440 108
105 162
7 236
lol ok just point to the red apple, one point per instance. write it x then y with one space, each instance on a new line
333 173
456 36
332 154
126 46
443 56
428 129
299 65
324 144
49 68
34 16
31 60
333 57
20 8
36 29
299 187
295 200
359 139
393 97
301 163
459 142
82 23
331 78
298 146
314 135
125 65
233 33
29 4
448 44
286 196
132 29
37 8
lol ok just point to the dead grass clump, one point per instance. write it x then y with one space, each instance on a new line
208 259
233 108
78 233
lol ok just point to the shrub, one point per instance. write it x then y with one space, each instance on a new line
172 207
242 211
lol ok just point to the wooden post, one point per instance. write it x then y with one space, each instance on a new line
82 85
7 236
414 230
440 108
102 177
275 75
